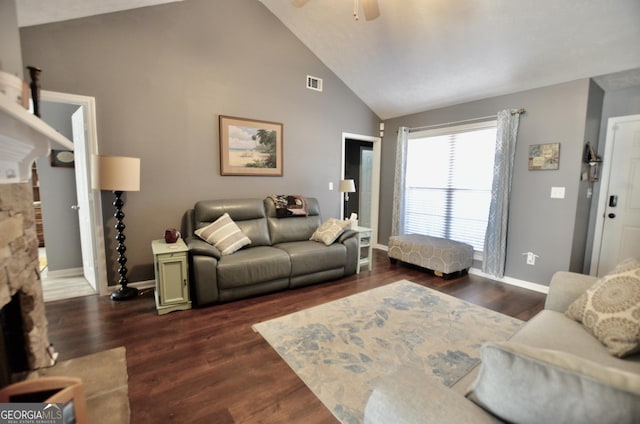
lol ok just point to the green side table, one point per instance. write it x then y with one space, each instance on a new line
172 276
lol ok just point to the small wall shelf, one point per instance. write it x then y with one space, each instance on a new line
594 170
593 160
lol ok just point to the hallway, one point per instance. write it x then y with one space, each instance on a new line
60 288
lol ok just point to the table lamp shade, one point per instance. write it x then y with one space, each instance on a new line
347 186
119 173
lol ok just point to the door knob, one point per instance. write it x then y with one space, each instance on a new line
75 207
612 215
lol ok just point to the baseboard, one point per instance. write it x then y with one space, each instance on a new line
140 285
512 281
65 273
506 280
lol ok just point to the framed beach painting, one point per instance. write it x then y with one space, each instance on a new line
250 147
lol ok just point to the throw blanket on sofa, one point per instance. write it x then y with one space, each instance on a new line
289 205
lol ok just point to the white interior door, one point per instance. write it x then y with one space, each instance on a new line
89 201
83 188
621 202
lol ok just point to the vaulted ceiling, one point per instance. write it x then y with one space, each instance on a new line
424 54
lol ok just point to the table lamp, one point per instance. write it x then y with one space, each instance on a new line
346 187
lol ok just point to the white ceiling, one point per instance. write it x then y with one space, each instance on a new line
423 54
36 12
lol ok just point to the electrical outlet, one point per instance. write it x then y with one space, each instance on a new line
331 185
531 258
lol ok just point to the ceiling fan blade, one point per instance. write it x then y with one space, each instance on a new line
299 3
370 9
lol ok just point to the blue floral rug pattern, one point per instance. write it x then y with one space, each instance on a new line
342 348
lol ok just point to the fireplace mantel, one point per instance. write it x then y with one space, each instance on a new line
23 138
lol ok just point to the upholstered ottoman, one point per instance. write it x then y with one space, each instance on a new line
442 256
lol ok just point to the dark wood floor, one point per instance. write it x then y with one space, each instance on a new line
207 365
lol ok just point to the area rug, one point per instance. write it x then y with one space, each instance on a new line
343 348
105 379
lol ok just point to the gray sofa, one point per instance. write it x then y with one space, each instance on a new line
599 388
280 255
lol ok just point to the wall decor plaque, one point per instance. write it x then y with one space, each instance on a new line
544 156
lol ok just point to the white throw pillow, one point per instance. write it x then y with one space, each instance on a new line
328 232
224 234
523 384
610 309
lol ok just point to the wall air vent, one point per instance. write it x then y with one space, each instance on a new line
314 83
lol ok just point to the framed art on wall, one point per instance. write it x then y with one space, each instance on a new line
250 147
63 158
544 156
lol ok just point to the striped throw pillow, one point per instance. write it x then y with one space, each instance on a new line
224 234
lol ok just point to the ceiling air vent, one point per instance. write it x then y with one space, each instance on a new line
314 83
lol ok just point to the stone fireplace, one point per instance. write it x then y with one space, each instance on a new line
23 138
19 272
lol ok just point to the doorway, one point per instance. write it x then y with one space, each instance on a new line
361 162
617 233
75 230
54 192
358 163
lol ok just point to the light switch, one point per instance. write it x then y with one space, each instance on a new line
331 185
557 192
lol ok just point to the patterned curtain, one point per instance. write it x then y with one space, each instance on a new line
397 219
495 243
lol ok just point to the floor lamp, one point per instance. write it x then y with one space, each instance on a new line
120 174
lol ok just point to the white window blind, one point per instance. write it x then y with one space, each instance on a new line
448 182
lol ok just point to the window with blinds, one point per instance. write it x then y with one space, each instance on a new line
448 182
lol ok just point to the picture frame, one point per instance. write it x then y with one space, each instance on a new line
544 156
250 147
62 158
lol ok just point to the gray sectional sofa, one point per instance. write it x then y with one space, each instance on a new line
280 255
551 371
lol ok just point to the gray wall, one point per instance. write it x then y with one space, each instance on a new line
10 54
619 103
161 76
537 223
580 258
58 194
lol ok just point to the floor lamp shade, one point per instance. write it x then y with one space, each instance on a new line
120 174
